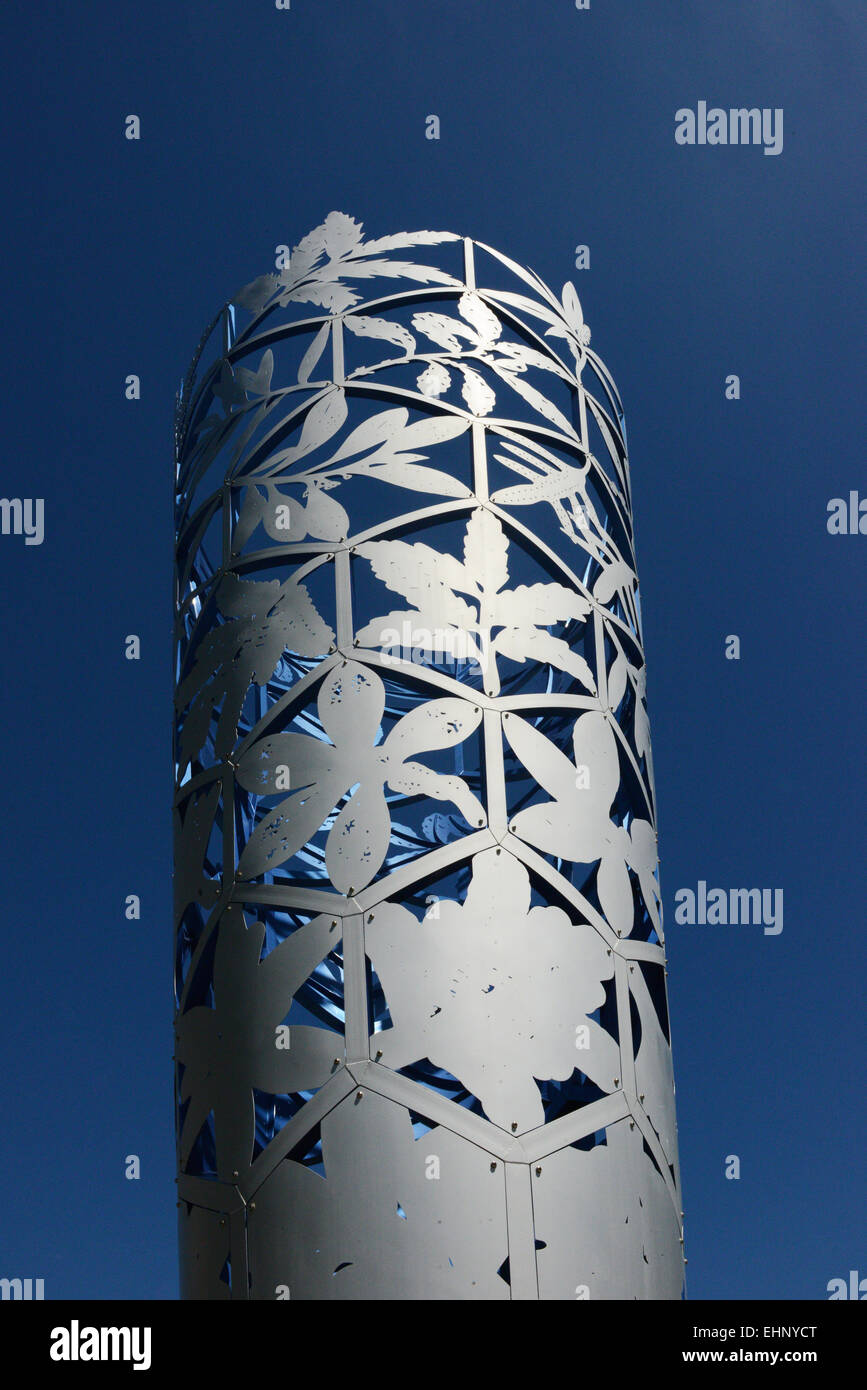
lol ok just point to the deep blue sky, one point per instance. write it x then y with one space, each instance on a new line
557 129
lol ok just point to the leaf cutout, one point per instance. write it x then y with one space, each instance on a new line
617 681
576 824
437 724
249 517
254 296
540 605
617 575
524 357
359 839
483 320
378 429
408 270
414 569
325 518
341 235
381 328
614 888
351 704
443 330
434 380
313 354
539 402
257 383
308 760
282 832
572 307
539 646
486 548
404 239
476 391
265 619
414 478
322 421
284 518
526 305
431 582
414 779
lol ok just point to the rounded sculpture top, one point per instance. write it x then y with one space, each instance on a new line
439 325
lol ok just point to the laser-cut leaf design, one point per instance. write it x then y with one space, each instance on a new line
492 620
576 825
228 1050
393 440
434 380
257 383
333 250
264 619
313 354
476 391
351 704
395 333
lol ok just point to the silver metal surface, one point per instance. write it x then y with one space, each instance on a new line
422 1036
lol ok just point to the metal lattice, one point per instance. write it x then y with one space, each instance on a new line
422 1034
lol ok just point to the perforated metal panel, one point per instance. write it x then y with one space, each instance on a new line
422 1035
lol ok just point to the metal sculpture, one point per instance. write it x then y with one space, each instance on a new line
422 1037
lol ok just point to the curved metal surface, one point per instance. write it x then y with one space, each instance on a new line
422 1035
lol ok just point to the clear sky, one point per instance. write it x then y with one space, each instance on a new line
557 129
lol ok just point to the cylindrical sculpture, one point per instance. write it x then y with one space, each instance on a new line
422 1035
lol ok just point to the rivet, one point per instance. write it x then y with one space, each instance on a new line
378 1055
617 1080
493 1170
358 1095
481 822
370 916
350 892
538 1172
499 851
641 1097
512 828
252 1206
334 921
514 1124
336 1062
235 1175
222 1220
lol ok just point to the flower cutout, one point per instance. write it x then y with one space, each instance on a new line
576 825
351 704
463 988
